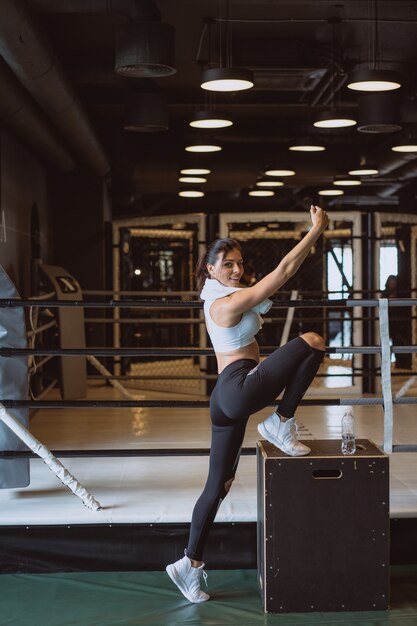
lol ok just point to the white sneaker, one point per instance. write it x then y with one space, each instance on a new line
187 578
283 435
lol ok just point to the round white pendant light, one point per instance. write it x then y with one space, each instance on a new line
331 192
203 148
192 179
261 193
265 182
210 119
306 146
226 79
374 80
347 182
195 171
406 146
364 171
334 119
190 193
277 172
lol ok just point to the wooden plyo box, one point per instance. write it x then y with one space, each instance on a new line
323 528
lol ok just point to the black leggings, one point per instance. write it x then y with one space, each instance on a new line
243 388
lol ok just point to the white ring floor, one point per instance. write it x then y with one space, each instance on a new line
164 489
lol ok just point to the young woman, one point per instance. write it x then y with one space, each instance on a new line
245 385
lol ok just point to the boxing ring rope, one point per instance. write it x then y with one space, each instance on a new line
168 352
384 349
193 304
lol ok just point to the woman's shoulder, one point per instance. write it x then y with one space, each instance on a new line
214 290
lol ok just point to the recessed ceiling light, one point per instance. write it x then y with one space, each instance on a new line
190 193
274 172
203 148
195 171
261 192
331 192
226 79
210 119
192 179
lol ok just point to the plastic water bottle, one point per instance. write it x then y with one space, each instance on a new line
348 433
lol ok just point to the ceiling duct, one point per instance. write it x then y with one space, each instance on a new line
404 175
146 113
29 54
19 113
145 46
145 49
131 9
379 113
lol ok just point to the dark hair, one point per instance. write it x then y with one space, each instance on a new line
216 248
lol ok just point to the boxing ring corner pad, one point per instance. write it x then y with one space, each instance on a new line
13 383
386 374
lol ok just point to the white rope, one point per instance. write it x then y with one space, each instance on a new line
410 382
386 373
288 321
105 372
49 459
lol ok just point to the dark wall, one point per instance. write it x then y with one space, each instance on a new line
80 210
22 184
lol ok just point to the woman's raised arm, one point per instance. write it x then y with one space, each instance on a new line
241 301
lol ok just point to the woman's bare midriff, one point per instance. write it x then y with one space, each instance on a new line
248 352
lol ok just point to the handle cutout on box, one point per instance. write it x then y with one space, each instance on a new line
327 474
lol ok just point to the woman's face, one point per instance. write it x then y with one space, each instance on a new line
228 268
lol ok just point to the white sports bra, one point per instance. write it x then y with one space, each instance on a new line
225 339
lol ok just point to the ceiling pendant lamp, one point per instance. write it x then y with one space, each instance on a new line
192 179
364 171
346 182
195 171
408 142
374 80
200 147
210 119
406 146
225 77
270 171
269 182
334 118
261 193
365 168
331 192
306 146
190 193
